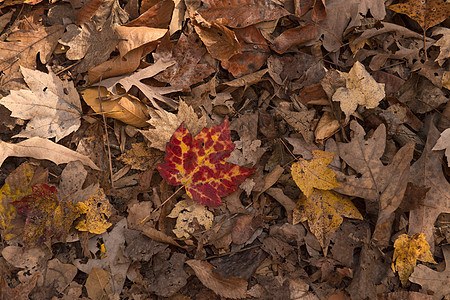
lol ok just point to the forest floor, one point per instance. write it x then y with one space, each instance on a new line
208 149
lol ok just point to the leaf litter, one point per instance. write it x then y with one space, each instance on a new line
240 149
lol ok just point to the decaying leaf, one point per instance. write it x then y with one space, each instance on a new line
324 211
382 184
125 108
360 88
98 285
46 217
233 288
200 164
409 249
188 214
443 143
40 148
438 282
52 105
427 13
427 172
315 174
97 209
166 123
140 157
17 185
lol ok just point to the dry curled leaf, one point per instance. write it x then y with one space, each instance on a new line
188 214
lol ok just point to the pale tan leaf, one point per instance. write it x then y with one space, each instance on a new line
52 105
188 214
40 148
97 284
131 38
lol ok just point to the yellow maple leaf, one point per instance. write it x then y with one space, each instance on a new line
409 249
314 173
360 88
324 211
97 209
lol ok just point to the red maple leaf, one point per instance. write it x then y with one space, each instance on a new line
199 164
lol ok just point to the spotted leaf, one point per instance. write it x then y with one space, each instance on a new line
200 164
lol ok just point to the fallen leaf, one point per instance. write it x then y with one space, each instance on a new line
299 120
324 211
233 288
97 284
46 216
128 81
240 14
52 105
327 127
314 174
427 13
188 215
294 36
17 185
429 279
166 123
157 16
87 11
21 291
220 41
360 88
409 249
140 157
40 148
20 49
59 275
443 143
131 38
443 43
427 172
125 108
31 261
186 71
199 164
97 209
382 184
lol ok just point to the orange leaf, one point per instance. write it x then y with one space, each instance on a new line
200 164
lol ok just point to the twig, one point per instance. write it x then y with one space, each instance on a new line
159 206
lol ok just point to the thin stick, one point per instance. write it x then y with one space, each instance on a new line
165 201
107 138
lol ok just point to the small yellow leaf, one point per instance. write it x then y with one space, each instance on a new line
409 249
314 173
97 209
360 88
186 212
324 211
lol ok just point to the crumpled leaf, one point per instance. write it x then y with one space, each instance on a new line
443 143
324 211
141 157
409 249
40 148
427 172
46 217
189 214
200 164
97 209
17 185
234 288
125 108
166 123
52 105
300 121
315 173
438 282
443 43
427 13
360 88
382 184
